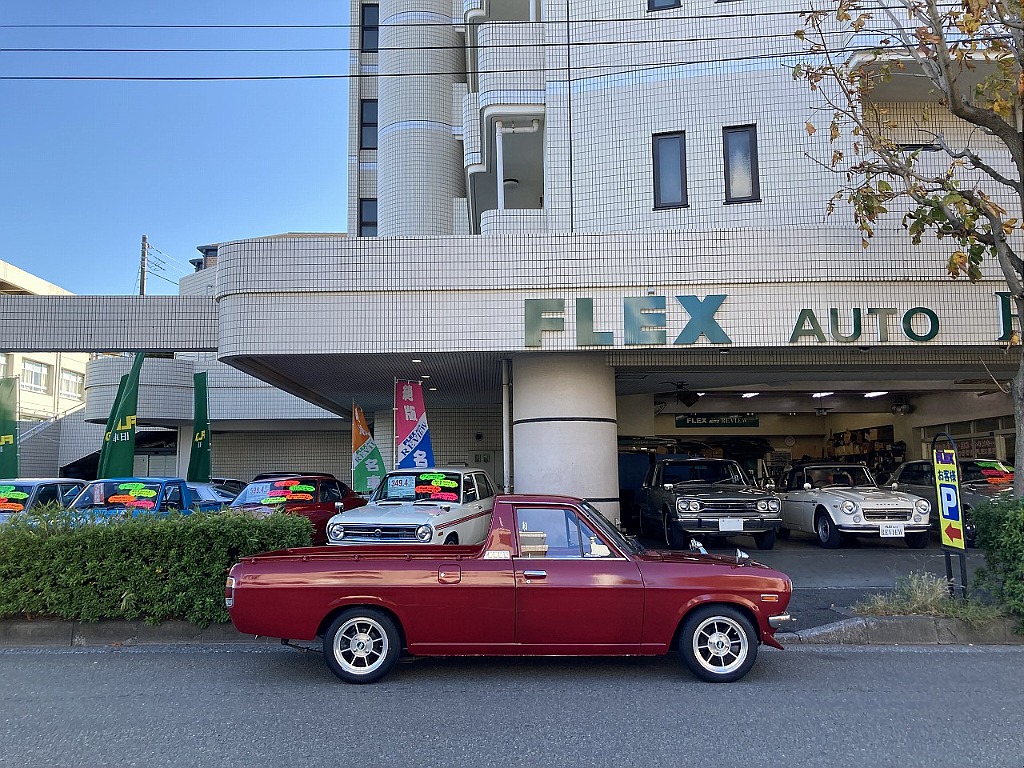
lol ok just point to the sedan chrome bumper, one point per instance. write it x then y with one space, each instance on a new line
777 621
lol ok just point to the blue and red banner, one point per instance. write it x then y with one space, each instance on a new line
412 437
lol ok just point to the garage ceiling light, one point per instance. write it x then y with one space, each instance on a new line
822 394
875 394
746 395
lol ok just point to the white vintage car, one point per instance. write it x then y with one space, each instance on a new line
835 500
436 505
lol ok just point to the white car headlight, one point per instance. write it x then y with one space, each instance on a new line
848 507
335 531
762 505
922 506
774 505
424 533
687 505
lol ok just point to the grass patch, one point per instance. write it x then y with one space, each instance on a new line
925 594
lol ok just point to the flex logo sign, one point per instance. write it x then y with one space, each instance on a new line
200 437
644 321
122 431
947 485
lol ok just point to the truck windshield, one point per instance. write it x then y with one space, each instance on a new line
613 534
127 493
420 486
14 496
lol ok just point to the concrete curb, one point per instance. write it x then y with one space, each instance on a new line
867 630
905 630
54 633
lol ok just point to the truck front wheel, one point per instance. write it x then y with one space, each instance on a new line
718 643
362 645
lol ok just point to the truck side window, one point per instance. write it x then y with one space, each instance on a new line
329 491
172 497
557 533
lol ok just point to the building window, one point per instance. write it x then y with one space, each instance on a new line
670 170
35 377
741 183
369 29
3 365
368 217
661 5
72 384
368 124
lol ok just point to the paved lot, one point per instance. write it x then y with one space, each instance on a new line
827 581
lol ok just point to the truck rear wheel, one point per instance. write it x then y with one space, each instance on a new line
362 645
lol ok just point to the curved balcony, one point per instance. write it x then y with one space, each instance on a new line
504 47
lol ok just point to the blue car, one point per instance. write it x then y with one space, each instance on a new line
134 496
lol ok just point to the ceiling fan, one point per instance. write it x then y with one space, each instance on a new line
681 393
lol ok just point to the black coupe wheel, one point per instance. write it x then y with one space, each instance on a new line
718 643
918 540
828 535
765 540
362 645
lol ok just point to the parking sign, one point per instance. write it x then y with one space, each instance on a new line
947 484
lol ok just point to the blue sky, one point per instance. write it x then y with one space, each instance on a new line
89 167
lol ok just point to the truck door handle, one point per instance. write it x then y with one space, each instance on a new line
535 575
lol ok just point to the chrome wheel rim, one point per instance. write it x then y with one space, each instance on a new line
360 646
824 529
720 645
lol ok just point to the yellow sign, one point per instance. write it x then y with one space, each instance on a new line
6 439
947 486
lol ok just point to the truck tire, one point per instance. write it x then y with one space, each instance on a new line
362 645
673 536
718 643
765 539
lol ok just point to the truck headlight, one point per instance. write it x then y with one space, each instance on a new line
922 506
424 533
848 507
336 531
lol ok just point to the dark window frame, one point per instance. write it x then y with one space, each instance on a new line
364 222
659 202
368 127
663 5
369 31
755 184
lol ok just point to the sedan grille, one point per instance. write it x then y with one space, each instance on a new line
887 515
731 507
371 533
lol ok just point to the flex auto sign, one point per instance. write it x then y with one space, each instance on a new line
947 483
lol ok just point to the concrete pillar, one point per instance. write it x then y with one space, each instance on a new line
564 435
419 162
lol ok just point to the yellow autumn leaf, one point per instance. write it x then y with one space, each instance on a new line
811 130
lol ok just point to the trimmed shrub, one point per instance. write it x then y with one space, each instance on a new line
147 568
1001 537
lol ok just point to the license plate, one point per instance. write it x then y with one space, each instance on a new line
730 524
891 530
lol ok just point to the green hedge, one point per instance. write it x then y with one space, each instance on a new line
148 568
1001 537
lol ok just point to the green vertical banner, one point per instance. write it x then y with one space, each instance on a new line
9 428
199 457
367 463
117 456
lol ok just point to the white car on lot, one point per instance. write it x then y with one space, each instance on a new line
835 500
436 505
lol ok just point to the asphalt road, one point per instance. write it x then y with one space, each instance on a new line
267 705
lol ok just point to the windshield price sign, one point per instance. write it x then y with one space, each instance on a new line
947 485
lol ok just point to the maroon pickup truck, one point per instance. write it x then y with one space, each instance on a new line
553 577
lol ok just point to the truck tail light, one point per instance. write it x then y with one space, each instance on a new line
229 592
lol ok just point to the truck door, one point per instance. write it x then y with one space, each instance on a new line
574 593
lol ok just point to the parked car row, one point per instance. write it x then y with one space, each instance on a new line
681 496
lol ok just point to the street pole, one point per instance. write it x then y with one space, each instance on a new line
142 265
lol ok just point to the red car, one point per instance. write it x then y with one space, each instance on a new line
553 577
315 496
